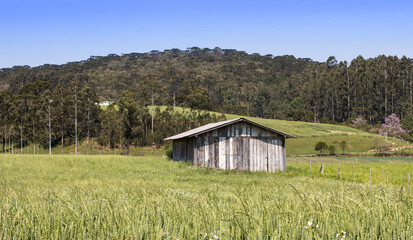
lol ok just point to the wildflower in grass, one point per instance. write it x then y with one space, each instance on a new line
311 225
210 236
341 235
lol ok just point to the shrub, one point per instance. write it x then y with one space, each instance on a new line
170 152
332 149
343 146
321 146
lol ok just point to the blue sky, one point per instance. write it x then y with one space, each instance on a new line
59 31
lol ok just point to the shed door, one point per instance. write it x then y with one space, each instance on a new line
274 154
258 153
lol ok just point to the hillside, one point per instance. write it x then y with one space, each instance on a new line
308 134
231 81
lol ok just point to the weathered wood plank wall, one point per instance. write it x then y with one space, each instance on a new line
238 146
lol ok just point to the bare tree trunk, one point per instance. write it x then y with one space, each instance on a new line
21 136
62 139
4 138
75 120
50 134
34 141
385 101
411 90
348 95
315 115
9 140
127 145
174 101
385 92
152 111
88 131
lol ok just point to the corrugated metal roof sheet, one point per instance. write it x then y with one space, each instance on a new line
213 126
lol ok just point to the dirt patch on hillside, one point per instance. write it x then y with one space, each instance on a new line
400 148
338 131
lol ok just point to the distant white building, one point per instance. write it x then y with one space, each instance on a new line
105 103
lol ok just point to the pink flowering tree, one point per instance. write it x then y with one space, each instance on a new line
392 126
359 122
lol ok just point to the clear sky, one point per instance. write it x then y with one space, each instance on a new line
37 32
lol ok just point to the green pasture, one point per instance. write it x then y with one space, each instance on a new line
295 128
308 134
397 168
126 197
355 144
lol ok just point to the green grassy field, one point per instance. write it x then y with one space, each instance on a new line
355 144
398 168
125 197
295 128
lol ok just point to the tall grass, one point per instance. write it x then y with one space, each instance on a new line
152 198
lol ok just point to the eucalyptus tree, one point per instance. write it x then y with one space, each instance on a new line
89 114
6 117
62 114
133 117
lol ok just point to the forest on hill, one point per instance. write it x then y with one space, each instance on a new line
231 81
54 105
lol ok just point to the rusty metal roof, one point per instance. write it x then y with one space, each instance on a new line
213 126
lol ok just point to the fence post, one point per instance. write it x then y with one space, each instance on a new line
297 162
353 172
310 164
408 179
322 168
370 176
339 171
387 178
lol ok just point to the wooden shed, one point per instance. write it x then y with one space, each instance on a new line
233 144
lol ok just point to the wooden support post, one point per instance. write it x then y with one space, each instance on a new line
310 164
297 162
387 178
408 179
322 168
339 171
353 172
370 176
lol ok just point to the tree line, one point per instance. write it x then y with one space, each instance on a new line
45 116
